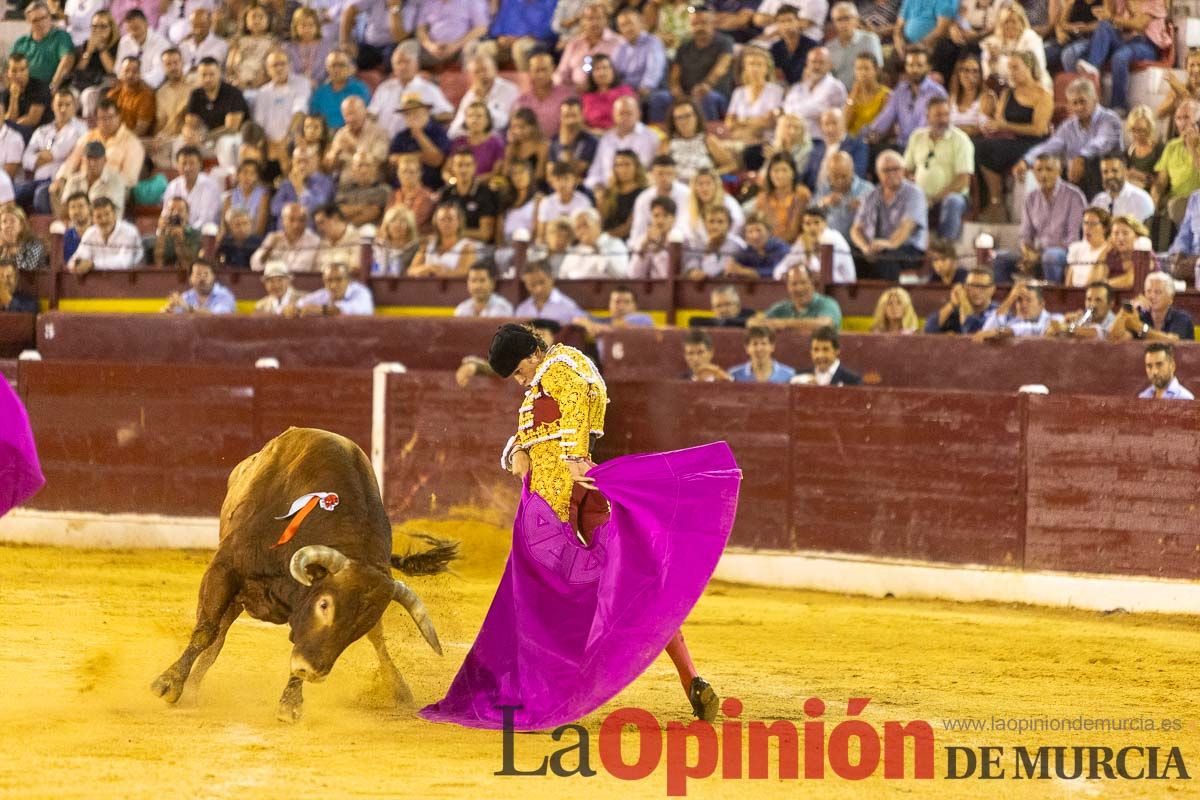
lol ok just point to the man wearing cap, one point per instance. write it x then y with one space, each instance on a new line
280 292
423 136
97 179
293 244
385 102
341 296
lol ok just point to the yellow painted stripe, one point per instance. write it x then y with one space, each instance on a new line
414 311
114 305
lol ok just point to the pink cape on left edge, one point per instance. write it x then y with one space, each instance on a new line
20 472
570 626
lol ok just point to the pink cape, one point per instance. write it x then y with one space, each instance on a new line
570 626
20 473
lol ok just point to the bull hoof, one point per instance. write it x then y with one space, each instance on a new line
289 714
401 695
291 704
168 686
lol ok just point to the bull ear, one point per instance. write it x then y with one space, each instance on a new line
307 560
416 609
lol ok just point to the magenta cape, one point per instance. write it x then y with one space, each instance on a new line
20 473
570 627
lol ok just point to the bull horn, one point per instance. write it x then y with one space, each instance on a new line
317 554
416 609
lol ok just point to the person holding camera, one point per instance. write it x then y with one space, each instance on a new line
1153 316
176 243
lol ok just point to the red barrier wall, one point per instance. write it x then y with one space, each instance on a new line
16 334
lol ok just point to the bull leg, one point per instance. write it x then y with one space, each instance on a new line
217 591
391 676
291 702
191 689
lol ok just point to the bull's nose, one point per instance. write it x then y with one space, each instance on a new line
305 671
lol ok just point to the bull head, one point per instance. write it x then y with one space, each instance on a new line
345 600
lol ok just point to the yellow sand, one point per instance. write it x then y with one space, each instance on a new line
85 632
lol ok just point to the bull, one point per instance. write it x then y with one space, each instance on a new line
326 574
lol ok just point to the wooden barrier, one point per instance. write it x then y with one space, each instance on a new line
17 333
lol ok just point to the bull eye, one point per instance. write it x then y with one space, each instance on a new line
324 605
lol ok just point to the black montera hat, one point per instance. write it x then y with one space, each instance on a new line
511 345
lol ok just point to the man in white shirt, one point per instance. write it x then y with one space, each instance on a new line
294 244
812 15
483 300
1023 313
1160 369
662 184
202 193
281 103
48 148
202 42
340 241
1119 196
498 94
341 296
12 150
563 202
627 133
109 243
385 102
595 254
145 45
816 91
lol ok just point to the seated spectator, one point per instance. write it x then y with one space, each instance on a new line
385 101
806 251
1085 257
280 294
239 242
293 244
690 146
1120 197
969 307
805 309
544 98
1133 32
622 313
545 301
219 105
249 194
572 143
565 200
18 245
171 99
894 313
361 195
340 241
923 25
133 97
146 44
525 143
480 140
422 136
1177 172
907 107
701 69
446 29
825 348
789 53
517 201
1143 146
396 243
891 230
358 135
369 29
519 29
1076 22
713 255
640 58
651 254
206 295
754 105
1096 319
834 139
308 49
26 100
943 257
618 204
303 184
595 254
817 91
842 193
627 133
664 184
12 299
1081 139
1053 216
191 134
850 42
975 23
98 179
196 38
47 150
727 310
476 199
328 97
867 95
698 355
1117 267
122 150
1160 370
483 300
448 253
1012 35
594 38
49 51
498 94
1178 91
560 235
602 89
341 296
1154 316
941 161
176 241
762 366
412 193
95 63
971 101
707 193
1023 313
79 219
202 193
12 149
762 252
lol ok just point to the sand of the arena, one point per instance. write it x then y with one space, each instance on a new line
85 632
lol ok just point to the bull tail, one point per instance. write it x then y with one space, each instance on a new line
427 562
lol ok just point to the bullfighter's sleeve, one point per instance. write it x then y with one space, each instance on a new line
572 393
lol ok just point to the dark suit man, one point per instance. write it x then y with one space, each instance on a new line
826 348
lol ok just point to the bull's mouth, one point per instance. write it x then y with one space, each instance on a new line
305 671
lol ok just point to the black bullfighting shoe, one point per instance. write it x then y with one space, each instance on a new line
705 702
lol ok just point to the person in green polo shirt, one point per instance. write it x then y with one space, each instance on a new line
50 51
805 309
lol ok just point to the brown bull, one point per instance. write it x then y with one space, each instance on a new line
331 581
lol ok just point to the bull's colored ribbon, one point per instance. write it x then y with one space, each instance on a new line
301 508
